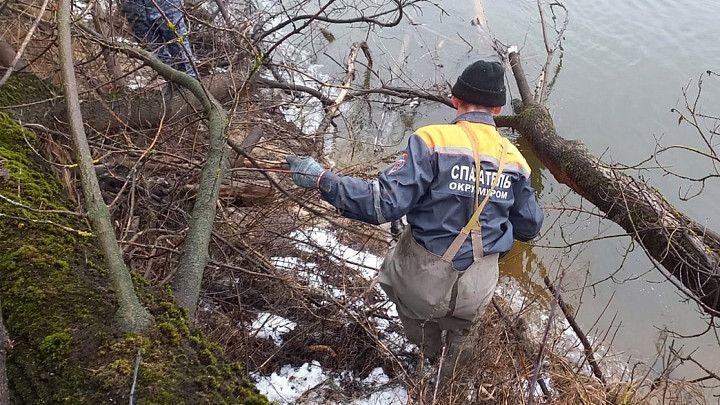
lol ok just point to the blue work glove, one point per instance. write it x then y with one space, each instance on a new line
306 171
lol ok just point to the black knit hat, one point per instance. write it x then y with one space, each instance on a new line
482 83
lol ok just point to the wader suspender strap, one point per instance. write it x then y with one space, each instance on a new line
473 226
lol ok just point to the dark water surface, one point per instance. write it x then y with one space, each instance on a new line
625 67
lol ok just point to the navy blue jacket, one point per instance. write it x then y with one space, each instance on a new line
433 184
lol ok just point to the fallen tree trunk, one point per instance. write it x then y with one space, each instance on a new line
58 307
687 250
137 110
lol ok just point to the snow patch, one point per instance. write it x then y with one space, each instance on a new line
287 385
366 263
269 326
290 383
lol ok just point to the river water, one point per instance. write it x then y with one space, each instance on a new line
624 67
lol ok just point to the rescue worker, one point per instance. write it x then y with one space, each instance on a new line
159 25
452 181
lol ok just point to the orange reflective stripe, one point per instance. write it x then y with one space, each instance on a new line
446 138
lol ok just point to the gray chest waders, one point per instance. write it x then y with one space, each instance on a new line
424 285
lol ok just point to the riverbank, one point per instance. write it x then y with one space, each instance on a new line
289 289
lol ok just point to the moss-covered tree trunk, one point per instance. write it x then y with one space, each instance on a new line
5 344
58 307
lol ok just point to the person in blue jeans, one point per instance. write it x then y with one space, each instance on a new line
159 25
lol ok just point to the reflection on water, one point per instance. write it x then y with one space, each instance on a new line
523 266
538 169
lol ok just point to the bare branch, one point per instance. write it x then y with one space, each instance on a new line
372 19
587 347
544 342
550 49
520 78
24 44
131 315
266 56
99 20
349 77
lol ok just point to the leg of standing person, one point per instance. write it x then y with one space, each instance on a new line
134 12
149 23
140 16
458 352
173 34
426 334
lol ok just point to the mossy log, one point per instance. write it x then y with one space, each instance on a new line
687 250
113 112
58 308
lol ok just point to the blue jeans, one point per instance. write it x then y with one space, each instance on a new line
150 28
